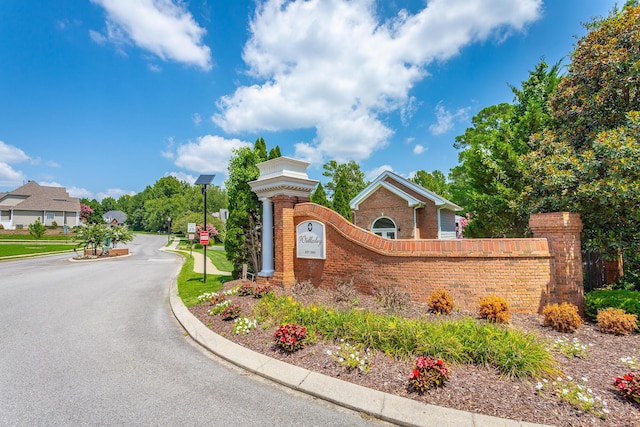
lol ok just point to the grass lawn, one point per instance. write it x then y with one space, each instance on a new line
28 237
11 249
219 259
190 284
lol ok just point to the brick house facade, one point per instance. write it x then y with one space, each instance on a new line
394 207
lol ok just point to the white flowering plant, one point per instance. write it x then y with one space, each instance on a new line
631 362
206 296
571 348
244 325
576 393
352 356
219 308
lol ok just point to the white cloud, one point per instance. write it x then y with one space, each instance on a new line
209 154
333 66
79 192
11 178
113 192
12 154
186 177
374 173
445 120
154 67
419 149
197 119
162 27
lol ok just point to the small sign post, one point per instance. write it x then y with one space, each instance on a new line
204 238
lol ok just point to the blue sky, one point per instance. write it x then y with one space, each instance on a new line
105 97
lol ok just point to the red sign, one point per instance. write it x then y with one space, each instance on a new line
204 238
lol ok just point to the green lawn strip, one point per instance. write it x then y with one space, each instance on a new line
217 256
512 352
32 248
219 259
190 284
28 237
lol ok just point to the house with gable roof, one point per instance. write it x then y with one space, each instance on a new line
24 205
396 208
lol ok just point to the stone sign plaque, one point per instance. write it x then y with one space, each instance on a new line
311 240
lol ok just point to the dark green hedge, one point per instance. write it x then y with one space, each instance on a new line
629 301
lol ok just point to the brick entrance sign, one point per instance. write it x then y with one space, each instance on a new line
529 273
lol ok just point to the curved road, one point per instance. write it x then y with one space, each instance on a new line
95 344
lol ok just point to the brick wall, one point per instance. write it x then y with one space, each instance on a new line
529 273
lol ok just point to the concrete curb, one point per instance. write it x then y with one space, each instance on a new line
384 406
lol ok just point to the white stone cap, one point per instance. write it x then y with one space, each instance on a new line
283 175
284 167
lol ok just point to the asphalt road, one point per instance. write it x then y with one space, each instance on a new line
96 344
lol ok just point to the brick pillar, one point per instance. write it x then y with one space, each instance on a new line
284 240
562 230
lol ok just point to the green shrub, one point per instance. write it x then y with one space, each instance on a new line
629 301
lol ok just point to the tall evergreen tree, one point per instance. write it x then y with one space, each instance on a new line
341 198
320 197
275 152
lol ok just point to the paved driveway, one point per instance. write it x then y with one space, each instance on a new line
95 344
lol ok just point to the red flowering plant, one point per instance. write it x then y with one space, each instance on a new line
290 336
629 386
231 312
261 291
427 373
245 289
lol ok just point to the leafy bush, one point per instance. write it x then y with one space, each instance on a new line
616 321
440 301
494 309
562 317
629 386
628 301
427 373
391 298
231 312
290 336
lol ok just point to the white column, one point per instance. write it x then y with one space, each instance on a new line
267 237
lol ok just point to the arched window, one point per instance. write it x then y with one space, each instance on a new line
384 227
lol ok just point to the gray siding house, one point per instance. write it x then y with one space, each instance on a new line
24 205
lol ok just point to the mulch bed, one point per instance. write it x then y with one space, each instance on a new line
470 388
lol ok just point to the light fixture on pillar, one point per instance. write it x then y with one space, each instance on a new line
168 229
204 180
